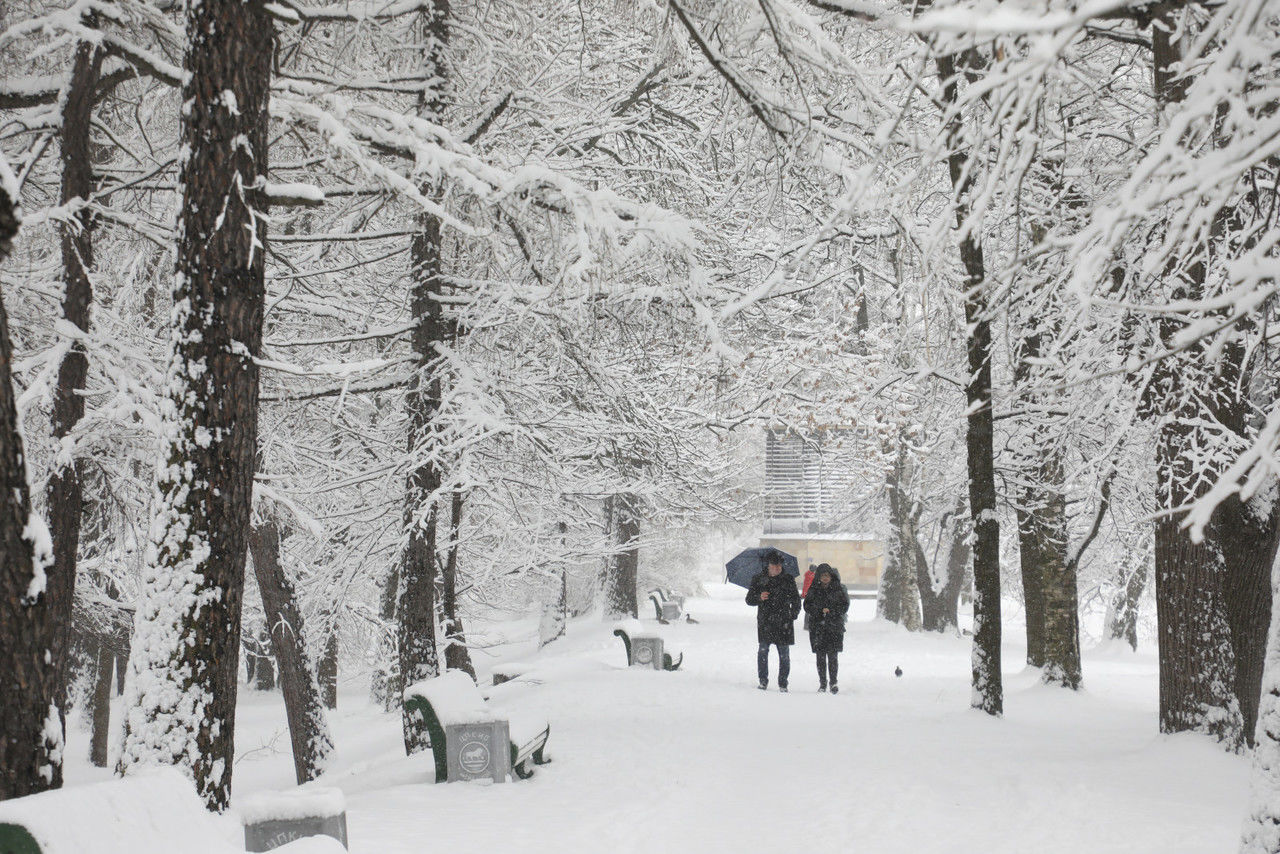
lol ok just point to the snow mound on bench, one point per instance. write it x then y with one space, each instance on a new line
635 628
150 810
454 697
302 802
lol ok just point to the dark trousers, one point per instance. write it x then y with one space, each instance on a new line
784 663
828 662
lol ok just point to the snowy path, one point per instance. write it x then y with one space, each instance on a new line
699 760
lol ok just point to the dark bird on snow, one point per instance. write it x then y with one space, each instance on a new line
897 671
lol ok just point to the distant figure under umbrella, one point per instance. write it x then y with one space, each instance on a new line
808 581
777 601
826 606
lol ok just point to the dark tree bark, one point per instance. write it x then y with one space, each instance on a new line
555 616
122 669
1061 596
622 568
328 670
250 661
900 592
264 671
988 688
1032 556
456 654
1049 578
1049 581
104 664
385 686
1248 536
308 727
939 610
27 757
1122 613
1198 671
416 609
64 489
189 622
889 593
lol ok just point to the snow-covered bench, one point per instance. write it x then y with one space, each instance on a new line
644 648
272 819
467 734
149 810
666 605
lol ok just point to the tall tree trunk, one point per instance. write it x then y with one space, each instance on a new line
1061 663
1245 535
456 654
940 608
416 610
250 660
1049 582
104 664
64 489
385 686
1033 552
1122 612
889 593
185 662
27 756
988 687
621 577
308 726
904 549
555 615
1197 660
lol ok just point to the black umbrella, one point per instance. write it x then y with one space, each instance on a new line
749 563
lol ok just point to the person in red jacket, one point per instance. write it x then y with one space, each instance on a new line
808 579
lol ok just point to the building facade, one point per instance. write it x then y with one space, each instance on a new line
809 479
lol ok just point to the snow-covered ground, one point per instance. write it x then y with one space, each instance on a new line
699 760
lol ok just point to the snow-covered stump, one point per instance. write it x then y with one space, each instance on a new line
152 810
274 819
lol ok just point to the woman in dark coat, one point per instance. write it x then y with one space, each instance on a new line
827 604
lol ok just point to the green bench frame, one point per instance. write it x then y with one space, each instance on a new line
16 839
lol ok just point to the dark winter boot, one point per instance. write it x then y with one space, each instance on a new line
764 685
835 688
822 689
782 688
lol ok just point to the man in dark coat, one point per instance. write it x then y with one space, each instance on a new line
826 606
774 595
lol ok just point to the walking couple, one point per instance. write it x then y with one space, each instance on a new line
777 602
